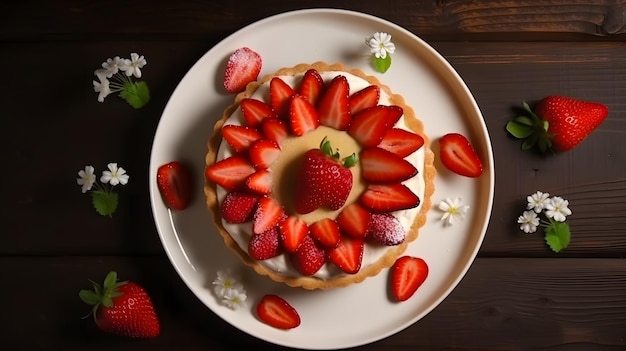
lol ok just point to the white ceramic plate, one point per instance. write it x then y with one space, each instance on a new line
358 314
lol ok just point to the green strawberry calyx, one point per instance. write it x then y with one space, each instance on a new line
532 129
328 150
102 295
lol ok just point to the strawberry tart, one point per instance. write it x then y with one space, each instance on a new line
319 176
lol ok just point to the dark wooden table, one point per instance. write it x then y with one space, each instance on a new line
518 295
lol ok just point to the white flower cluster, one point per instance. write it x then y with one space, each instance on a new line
453 210
110 77
380 44
229 290
114 176
555 208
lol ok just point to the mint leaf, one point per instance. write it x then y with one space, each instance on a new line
381 64
136 94
558 236
104 203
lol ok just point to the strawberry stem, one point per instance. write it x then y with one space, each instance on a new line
102 295
327 149
532 128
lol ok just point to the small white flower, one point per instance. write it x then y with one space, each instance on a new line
234 298
87 178
529 221
114 175
454 210
102 87
112 66
133 66
225 282
537 201
557 209
380 44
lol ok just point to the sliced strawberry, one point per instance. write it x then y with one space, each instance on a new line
254 111
265 245
303 116
240 137
238 207
369 126
458 155
243 67
276 312
333 107
230 173
174 182
326 232
347 255
401 142
406 275
311 86
385 229
364 98
353 220
274 129
269 213
263 153
292 231
388 197
260 182
309 257
380 166
280 93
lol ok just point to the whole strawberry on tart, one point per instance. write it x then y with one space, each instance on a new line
319 176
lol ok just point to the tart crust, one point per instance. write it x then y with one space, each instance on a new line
389 257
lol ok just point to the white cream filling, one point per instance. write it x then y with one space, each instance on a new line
241 233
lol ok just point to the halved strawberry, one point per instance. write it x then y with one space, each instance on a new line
364 98
274 129
254 111
268 214
240 137
369 126
174 182
260 182
401 142
280 93
243 67
333 107
353 220
348 254
238 207
380 166
385 229
388 197
292 231
406 275
230 173
265 245
311 86
263 153
303 116
326 232
309 257
458 155
276 312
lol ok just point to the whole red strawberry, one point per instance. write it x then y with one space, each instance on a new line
122 308
322 180
558 123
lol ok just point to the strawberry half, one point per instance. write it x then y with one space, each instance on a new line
230 173
238 207
276 312
309 257
303 116
388 197
280 93
347 255
292 231
458 155
353 220
325 232
263 153
264 245
240 137
370 125
274 129
122 308
255 111
174 182
243 67
401 142
380 166
385 229
364 98
260 182
269 213
311 86
406 275
333 107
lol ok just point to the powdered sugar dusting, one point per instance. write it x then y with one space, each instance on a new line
385 229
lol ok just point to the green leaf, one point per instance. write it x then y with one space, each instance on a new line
136 94
558 236
351 160
530 142
110 280
525 120
89 297
519 130
104 203
381 64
